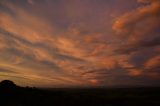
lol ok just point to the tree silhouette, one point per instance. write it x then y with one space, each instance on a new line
7 84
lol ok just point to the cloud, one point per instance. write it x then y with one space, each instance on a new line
30 2
139 39
153 63
74 44
128 22
147 1
29 42
139 28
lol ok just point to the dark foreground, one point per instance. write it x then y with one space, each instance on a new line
19 96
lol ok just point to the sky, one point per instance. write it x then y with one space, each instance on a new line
80 43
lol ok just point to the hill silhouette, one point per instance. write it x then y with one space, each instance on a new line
7 84
13 95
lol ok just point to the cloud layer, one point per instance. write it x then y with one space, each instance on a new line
58 43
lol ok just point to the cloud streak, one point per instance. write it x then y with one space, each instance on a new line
79 43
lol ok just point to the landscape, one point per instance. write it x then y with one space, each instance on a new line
13 95
79 52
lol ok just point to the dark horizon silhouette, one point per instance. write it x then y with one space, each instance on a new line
13 95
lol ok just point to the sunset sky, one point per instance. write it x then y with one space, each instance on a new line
80 43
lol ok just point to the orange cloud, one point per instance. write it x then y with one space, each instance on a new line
138 29
77 47
135 72
153 62
33 28
94 81
128 23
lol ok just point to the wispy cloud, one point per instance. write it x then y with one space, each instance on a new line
79 43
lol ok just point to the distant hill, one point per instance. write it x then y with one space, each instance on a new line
7 84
